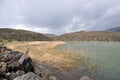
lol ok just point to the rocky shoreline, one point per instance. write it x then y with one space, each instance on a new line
15 65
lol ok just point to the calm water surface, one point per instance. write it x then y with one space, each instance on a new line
107 56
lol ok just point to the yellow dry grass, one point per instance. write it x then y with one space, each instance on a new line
45 52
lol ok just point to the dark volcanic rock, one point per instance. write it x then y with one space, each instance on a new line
26 65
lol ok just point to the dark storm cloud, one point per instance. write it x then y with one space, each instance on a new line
60 16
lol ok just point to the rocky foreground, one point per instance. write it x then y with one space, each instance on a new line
15 65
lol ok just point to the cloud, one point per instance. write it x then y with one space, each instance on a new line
61 16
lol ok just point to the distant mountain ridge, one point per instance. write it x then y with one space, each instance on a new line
89 36
116 29
22 35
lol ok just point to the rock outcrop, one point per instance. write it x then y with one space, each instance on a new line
15 65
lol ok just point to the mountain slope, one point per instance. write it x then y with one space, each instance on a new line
116 29
50 35
90 36
22 35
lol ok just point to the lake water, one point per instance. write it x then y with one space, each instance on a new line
107 58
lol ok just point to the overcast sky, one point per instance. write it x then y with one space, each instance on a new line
59 16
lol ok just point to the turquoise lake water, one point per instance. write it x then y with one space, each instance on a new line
107 58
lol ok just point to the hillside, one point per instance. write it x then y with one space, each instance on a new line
116 29
22 35
50 35
90 36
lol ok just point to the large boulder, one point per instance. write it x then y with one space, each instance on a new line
28 76
8 55
27 65
41 70
14 75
